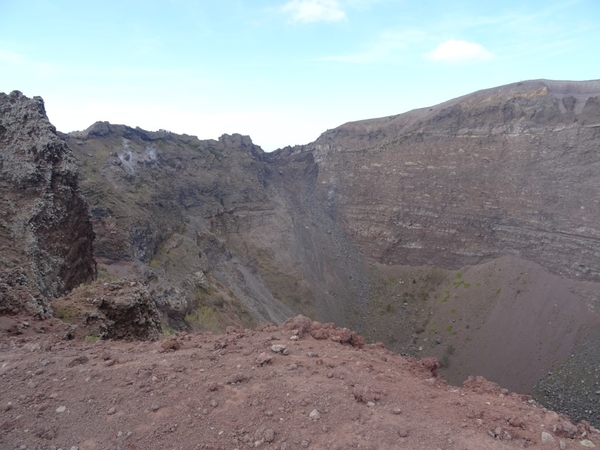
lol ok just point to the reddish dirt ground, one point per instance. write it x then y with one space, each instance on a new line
238 390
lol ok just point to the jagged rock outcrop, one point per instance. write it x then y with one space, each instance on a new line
116 310
45 230
131 312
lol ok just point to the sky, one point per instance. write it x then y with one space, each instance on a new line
280 71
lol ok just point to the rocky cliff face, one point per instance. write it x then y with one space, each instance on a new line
214 227
165 210
45 230
507 171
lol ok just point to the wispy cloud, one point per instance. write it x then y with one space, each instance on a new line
459 51
26 64
12 58
23 63
307 11
386 47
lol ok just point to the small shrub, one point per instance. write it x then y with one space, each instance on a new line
167 330
445 362
66 314
203 317
216 301
446 297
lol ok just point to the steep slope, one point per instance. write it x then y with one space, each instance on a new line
210 227
156 199
45 230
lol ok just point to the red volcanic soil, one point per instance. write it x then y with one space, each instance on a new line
301 385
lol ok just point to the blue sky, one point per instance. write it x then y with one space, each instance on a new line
281 71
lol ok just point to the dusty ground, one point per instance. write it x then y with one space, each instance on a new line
210 391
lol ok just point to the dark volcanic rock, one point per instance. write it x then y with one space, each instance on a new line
45 230
116 310
574 387
130 312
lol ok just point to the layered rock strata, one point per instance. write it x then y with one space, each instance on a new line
505 171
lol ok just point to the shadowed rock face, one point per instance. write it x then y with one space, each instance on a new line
45 230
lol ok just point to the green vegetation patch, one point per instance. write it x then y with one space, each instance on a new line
167 330
203 317
67 314
446 296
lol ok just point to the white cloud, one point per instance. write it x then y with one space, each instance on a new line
314 11
459 51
